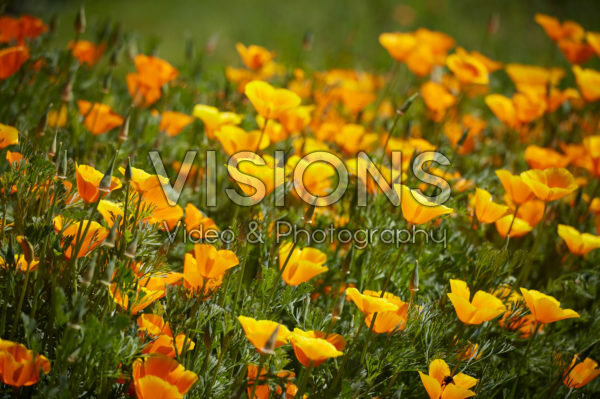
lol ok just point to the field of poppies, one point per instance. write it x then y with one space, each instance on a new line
268 229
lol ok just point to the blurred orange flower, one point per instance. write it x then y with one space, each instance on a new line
98 118
581 373
18 365
269 101
8 136
234 139
161 377
19 29
172 123
588 81
87 52
254 57
11 60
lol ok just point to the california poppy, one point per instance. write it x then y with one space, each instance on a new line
578 243
88 182
208 262
417 209
314 348
234 140
440 383
467 69
8 136
254 57
588 81
258 332
545 308
549 184
19 29
269 101
486 210
136 301
515 187
11 60
93 238
368 303
437 99
99 118
581 373
213 119
161 377
18 365
172 123
303 264
483 307
87 52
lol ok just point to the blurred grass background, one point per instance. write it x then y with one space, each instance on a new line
345 31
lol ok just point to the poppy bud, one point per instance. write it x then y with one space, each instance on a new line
131 250
348 262
114 59
124 130
27 248
80 22
307 40
493 23
89 272
67 93
62 173
109 241
52 150
106 181
10 254
106 83
339 307
128 171
413 285
41 126
270 344
110 270
206 338
308 216
115 35
211 44
462 139
406 105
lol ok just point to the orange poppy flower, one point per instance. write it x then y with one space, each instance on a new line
196 221
268 101
258 332
142 181
234 140
58 118
213 119
247 170
353 138
18 365
387 321
544 158
578 243
467 69
531 77
575 52
87 52
517 228
483 307
162 341
545 308
529 105
110 211
88 181
21 264
153 324
142 95
161 377
137 301
518 191
550 184
437 99
173 123
441 384
98 118
316 179
19 29
588 81
368 303
311 347
593 38
94 237
503 108
416 209
8 136
11 60
489 64
582 373
398 44
486 210
303 264
262 390
254 57
557 31
208 262
153 71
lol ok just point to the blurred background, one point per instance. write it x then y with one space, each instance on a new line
344 31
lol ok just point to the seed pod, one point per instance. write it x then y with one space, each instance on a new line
124 130
128 171
41 126
406 105
52 150
105 183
